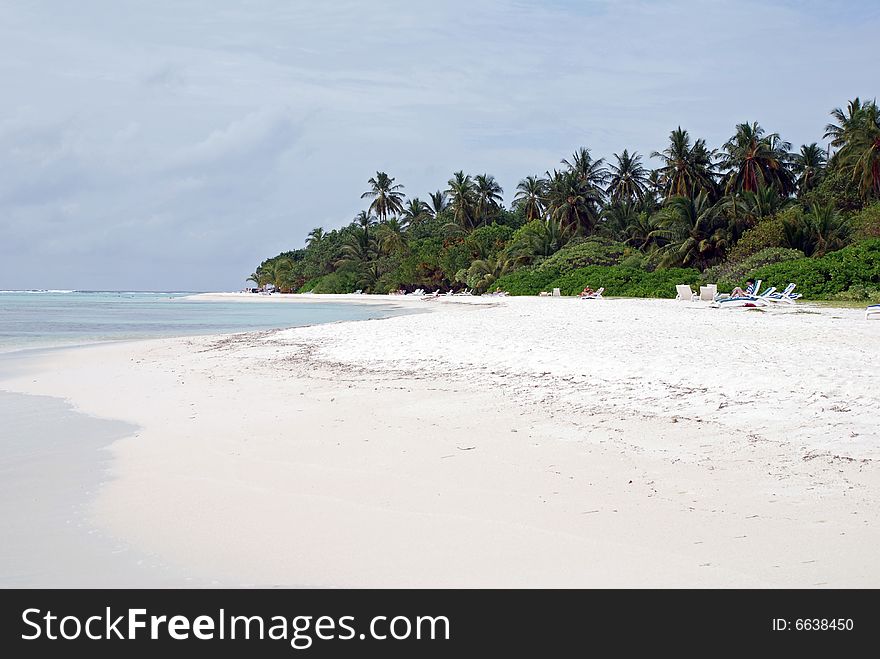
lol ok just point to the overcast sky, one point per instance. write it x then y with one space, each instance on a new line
173 145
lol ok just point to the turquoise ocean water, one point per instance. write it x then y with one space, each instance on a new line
43 319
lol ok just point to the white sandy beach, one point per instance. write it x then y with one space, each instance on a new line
508 442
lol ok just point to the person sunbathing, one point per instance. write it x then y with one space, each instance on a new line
750 289
587 291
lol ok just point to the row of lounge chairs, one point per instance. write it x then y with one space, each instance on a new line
757 298
753 296
431 296
595 295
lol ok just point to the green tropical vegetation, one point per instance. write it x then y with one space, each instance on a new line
751 207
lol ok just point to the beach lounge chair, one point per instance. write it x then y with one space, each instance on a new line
685 293
593 296
708 292
767 293
358 292
872 311
418 291
787 296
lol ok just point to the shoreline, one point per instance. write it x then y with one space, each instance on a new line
51 542
496 450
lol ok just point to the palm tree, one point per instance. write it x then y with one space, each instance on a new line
359 245
530 196
256 278
484 272
572 201
628 180
384 193
687 168
545 239
360 249
748 208
754 159
859 140
760 204
847 121
391 235
461 191
488 197
275 272
617 217
820 231
315 237
415 210
591 173
809 166
695 230
642 232
364 220
655 180
439 203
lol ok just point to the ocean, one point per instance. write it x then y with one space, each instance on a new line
46 319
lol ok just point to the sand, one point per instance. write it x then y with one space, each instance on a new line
537 442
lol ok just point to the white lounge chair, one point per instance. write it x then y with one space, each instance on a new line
767 294
685 293
708 292
597 295
787 296
872 311
418 291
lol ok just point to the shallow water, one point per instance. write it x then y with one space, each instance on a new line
37 319
52 461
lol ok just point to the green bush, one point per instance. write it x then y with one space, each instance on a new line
858 293
587 253
763 235
866 223
341 281
487 241
822 278
616 280
526 281
309 285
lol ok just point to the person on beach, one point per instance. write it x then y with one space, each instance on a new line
587 291
750 289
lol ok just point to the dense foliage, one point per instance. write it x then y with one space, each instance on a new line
752 207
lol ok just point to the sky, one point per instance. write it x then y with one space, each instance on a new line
174 145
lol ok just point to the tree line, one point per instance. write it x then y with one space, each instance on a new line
703 209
